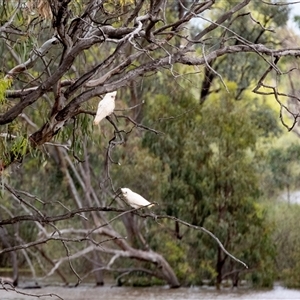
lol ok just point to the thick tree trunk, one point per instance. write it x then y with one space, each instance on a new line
219 268
97 274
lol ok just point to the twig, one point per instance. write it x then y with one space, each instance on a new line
32 295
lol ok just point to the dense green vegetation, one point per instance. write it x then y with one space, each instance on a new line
198 142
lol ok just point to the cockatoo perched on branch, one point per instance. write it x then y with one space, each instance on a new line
105 107
135 200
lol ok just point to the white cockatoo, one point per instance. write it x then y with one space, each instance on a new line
135 200
105 107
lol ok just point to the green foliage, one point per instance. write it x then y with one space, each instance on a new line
283 169
265 120
19 147
214 178
139 170
5 84
286 237
175 251
235 214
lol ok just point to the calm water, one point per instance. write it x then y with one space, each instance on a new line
157 293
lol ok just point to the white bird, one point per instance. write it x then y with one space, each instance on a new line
135 200
105 107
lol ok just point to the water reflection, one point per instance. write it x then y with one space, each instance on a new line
151 293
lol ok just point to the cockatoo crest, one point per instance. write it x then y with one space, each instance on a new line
135 200
105 107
